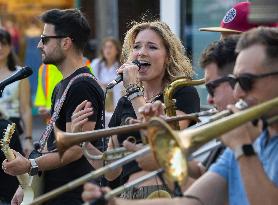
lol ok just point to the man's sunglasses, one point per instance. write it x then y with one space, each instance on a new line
211 86
247 80
45 39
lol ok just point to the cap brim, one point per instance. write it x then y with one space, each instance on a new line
219 29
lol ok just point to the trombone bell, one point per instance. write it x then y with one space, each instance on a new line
167 152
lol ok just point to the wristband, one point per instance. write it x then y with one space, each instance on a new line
135 95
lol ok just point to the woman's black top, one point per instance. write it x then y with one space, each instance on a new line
187 101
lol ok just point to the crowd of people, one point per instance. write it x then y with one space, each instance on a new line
242 65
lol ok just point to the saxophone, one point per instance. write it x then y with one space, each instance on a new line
168 93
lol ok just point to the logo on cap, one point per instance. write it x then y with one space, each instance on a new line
230 15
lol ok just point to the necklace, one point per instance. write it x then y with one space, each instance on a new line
153 98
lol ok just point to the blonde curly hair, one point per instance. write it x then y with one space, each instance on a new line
179 65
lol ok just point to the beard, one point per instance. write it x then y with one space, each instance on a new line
56 58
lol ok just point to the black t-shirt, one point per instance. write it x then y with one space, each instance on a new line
84 88
8 183
187 100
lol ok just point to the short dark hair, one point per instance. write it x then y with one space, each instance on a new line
265 36
5 38
222 53
69 22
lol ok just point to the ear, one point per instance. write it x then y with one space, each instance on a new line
66 43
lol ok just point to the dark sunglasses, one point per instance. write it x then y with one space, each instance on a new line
247 80
45 39
211 86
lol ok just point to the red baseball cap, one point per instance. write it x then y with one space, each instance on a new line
235 20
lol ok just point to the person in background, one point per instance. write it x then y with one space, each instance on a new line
105 69
8 183
15 100
48 77
235 21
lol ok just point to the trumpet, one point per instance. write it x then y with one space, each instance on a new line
65 140
171 148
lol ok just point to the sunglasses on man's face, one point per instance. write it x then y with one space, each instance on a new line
247 80
211 86
45 39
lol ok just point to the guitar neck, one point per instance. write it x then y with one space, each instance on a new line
23 178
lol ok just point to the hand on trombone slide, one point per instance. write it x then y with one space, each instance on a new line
245 134
93 192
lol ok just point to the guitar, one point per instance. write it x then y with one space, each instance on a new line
30 186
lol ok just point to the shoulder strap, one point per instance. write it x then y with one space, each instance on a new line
57 110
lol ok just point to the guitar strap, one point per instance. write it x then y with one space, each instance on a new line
55 115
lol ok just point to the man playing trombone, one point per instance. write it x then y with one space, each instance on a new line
251 158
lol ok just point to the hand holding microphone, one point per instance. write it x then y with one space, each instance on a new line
119 77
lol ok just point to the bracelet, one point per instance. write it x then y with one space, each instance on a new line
132 92
133 88
130 86
135 95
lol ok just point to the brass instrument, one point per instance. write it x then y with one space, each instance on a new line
171 148
92 175
125 187
65 140
168 93
108 155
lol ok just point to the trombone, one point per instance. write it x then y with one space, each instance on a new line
171 148
65 140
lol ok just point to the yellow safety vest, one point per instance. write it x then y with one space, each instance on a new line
48 77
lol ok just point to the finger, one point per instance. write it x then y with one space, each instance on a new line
105 189
77 126
147 108
113 142
131 146
83 116
16 154
232 108
85 112
80 107
88 105
158 108
90 192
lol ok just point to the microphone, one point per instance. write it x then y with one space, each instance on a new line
20 74
119 77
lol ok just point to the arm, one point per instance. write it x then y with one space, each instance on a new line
26 114
211 188
268 192
25 105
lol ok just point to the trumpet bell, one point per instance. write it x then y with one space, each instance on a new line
162 138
